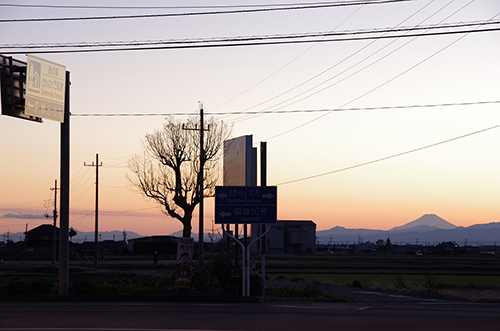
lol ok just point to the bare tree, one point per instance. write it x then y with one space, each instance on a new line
168 170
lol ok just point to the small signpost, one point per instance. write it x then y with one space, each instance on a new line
245 204
184 259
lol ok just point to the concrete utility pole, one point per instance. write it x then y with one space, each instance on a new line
200 181
200 185
96 246
55 188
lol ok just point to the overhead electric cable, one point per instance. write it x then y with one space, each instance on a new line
268 39
388 157
79 218
284 66
177 7
348 57
75 183
287 111
130 210
81 195
377 87
257 43
280 104
239 11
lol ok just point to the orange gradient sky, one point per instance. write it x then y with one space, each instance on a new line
458 180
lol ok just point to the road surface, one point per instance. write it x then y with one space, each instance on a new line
370 311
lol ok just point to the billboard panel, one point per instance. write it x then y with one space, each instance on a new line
240 162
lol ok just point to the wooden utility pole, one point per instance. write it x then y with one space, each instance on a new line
96 236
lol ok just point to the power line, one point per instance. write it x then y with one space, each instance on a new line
290 111
388 157
350 67
181 7
379 86
239 11
256 43
250 40
287 64
79 218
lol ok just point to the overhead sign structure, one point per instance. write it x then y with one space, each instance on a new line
245 204
45 89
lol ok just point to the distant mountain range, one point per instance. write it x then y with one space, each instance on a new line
428 229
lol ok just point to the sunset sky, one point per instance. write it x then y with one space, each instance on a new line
376 118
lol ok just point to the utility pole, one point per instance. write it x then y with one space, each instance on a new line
55 188
200 185
96 246
200 182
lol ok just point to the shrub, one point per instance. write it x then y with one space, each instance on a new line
220 276
356 283
91 287
30 287
400 281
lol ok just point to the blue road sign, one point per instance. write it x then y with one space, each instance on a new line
245 204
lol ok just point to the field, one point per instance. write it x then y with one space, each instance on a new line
463 277
385 269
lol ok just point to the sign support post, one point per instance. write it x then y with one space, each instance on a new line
263 243
64 216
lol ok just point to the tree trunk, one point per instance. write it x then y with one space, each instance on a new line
186 230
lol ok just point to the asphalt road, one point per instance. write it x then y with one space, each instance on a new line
370 311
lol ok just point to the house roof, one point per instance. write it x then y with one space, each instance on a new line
43 229
297 223
154 238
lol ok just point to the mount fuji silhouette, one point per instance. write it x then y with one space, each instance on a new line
428 229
